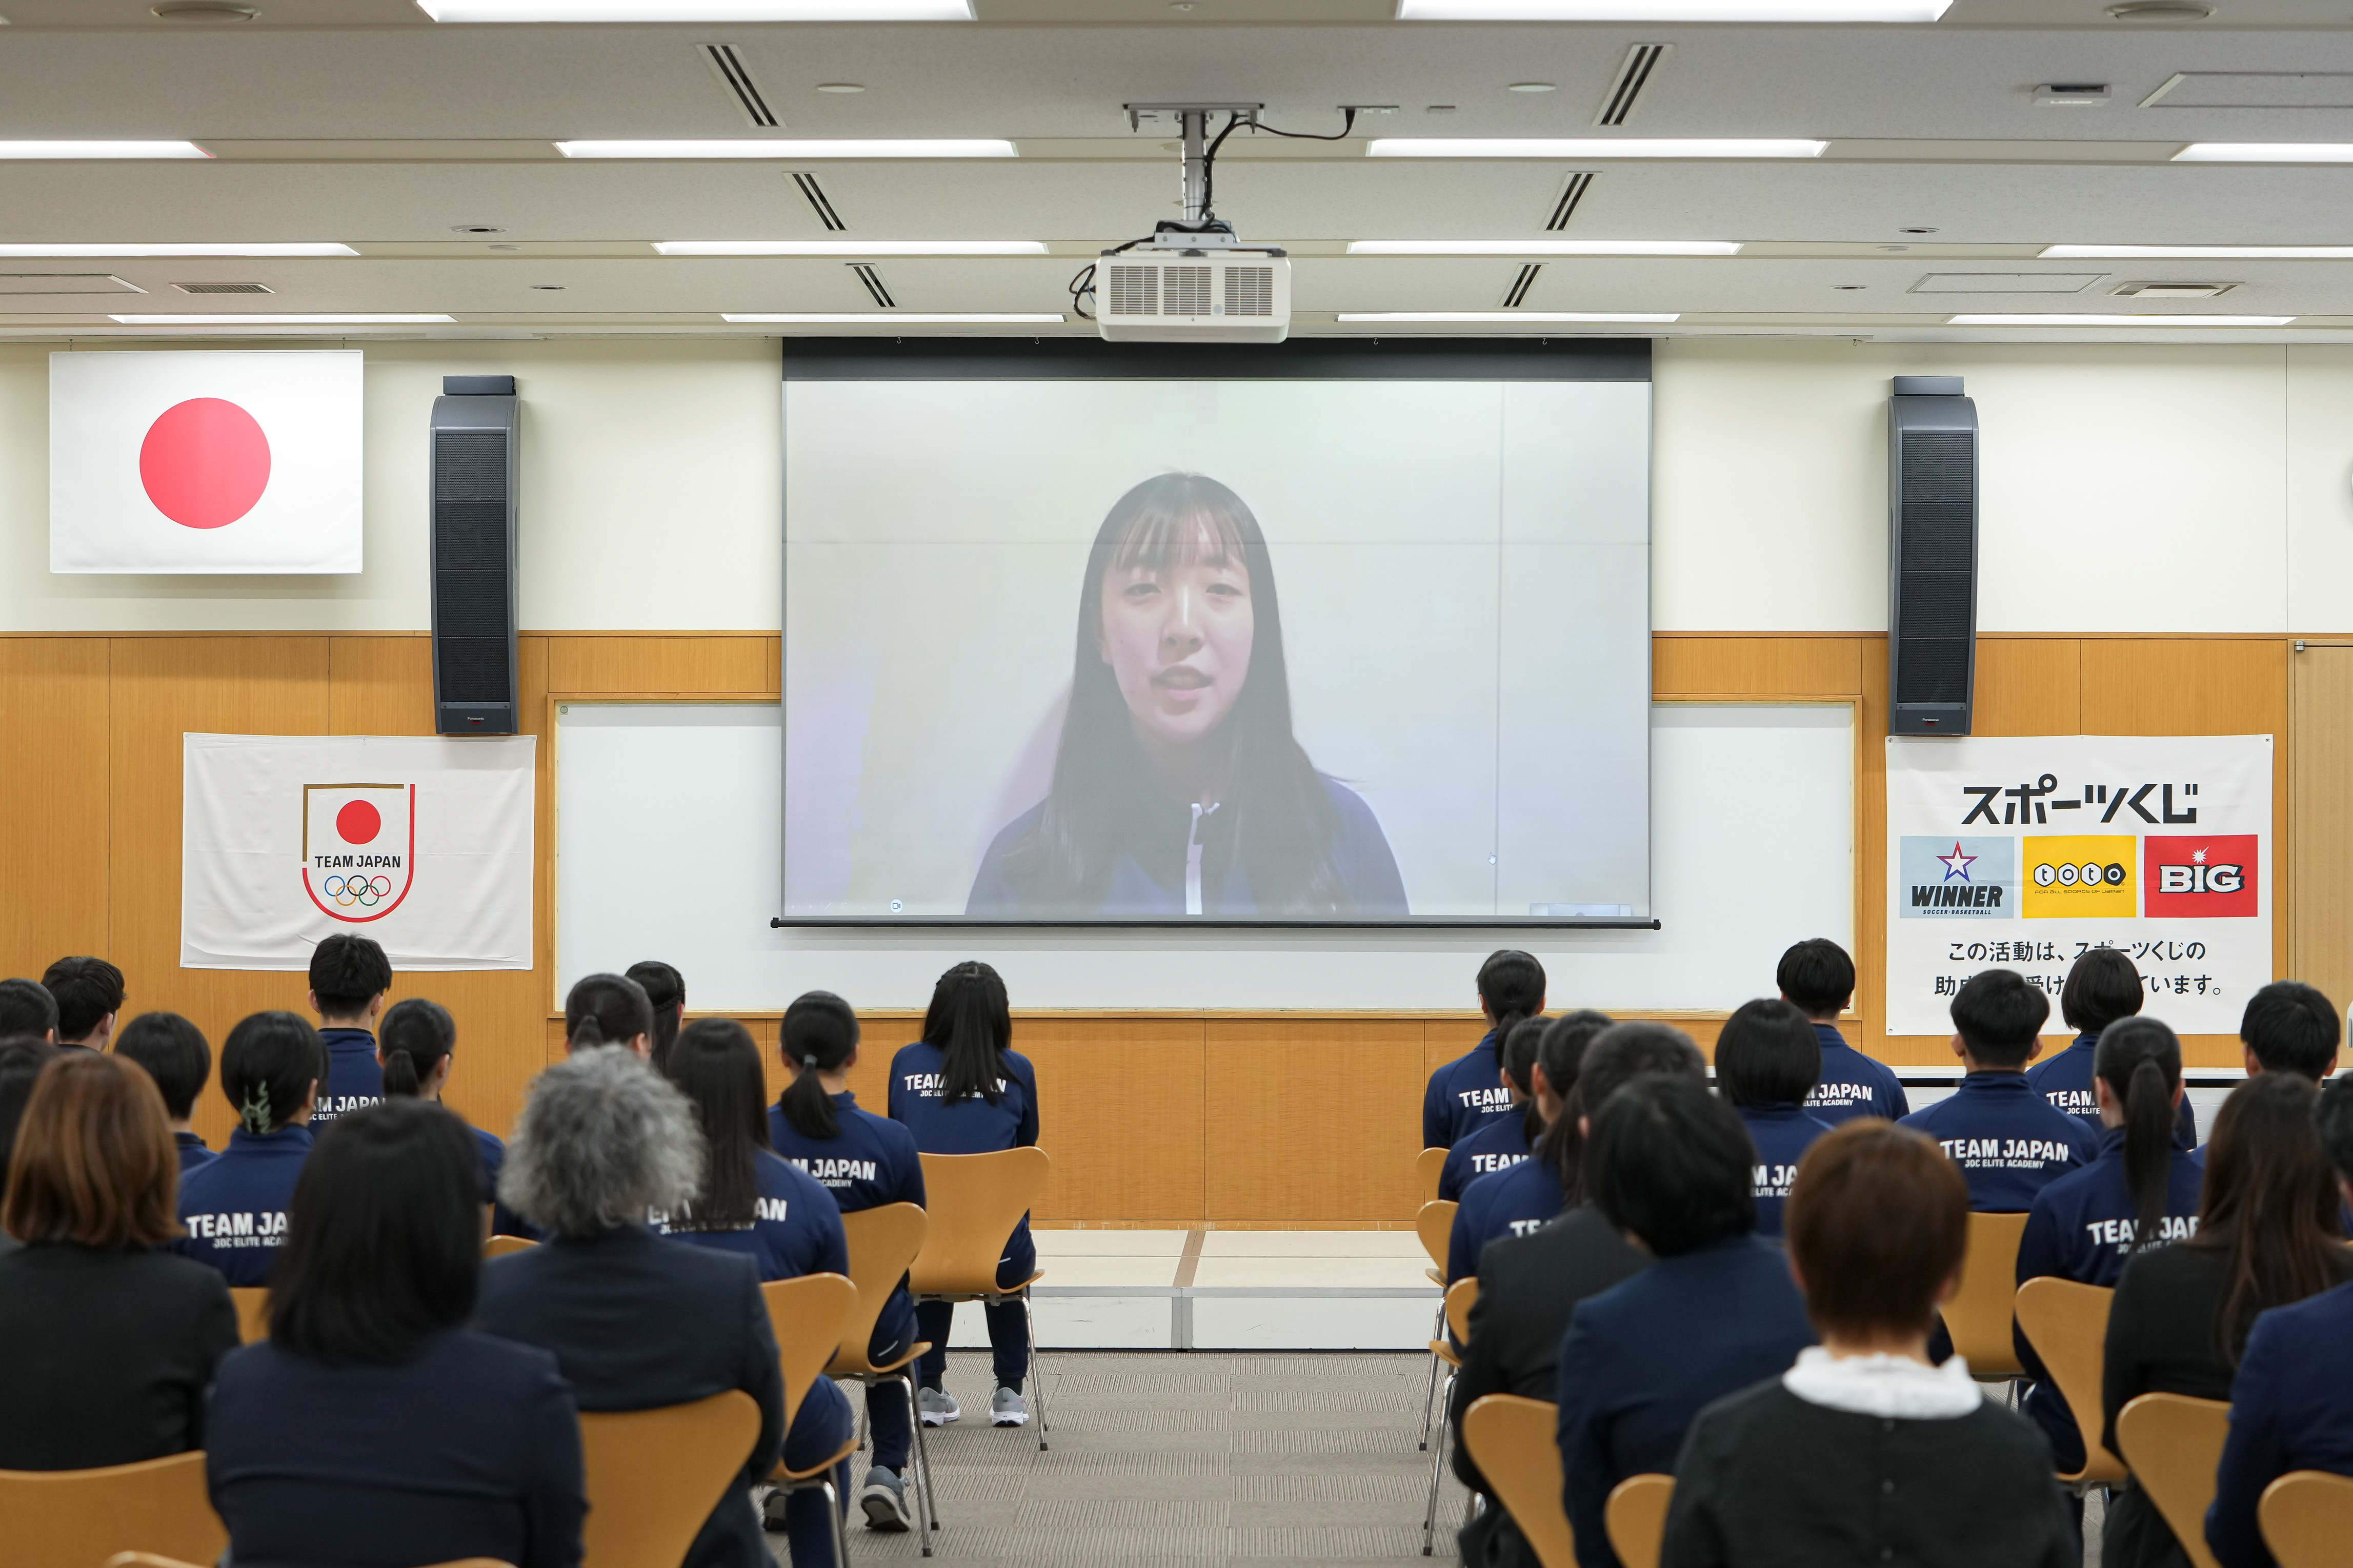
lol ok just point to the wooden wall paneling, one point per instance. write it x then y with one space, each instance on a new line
2029 686
1689 666
2319 835
1122 1109
54 839
721 664
1868 1025
1306 1134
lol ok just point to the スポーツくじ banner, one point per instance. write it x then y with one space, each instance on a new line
2026 852
423 844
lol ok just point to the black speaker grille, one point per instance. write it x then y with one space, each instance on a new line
1932 670
1939 466
1935 605
469 466
1936 537
472 669
469 535
471 603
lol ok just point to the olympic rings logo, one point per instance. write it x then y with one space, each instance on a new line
365 892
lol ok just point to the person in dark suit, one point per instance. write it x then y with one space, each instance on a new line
372 1428
635 1322
1671 1166
106 1342
1864 1451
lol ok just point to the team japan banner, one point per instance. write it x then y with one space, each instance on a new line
423 844
2010 853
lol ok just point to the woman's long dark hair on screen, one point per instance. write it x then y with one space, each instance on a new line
2270 1203
1561 1053
715 1065
1277 808
665 990
971 1023
2140 1061
821 1034
414 1036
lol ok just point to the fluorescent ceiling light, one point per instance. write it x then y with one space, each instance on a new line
845 248
886 318
1588 147
102 149
281 321
1671 10
227 248
2266 152
744 147
2118 321
2193 252
697 10
1511 316
1542 248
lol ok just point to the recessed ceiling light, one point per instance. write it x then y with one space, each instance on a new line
2119 320
2161 11
839 86
1439 108
241 319
475 228
2266 152
850 247
746 148
889 318
224 247
549 288
1671 10
1917 228
64 150
1544 248
697 10
1590 147
201 11
1532 86
1847 288
2194 252
1591 316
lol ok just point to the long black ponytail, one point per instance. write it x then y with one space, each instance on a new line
2140 1061
1511 988
1518 1054
971 1023
821 1034
665 990
413 1038
606 1010
716 1065
1561 1054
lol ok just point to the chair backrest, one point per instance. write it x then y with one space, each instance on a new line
2174 1443
149 1560
1428 1166
1979 1315
252 1303
500 1245
2067 1324
1515 1443
974 1202
1460 1297
1636 1517
1435 1225
75 1519
809 1315
654 1476
883 1243
2308 1516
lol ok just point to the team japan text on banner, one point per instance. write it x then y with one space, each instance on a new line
2010 853
421 843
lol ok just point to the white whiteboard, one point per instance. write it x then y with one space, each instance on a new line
669 846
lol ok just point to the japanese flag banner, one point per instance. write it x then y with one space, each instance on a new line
2026 853
204 461
421 843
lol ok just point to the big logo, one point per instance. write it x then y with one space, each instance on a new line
359 848
2196 876
2080 875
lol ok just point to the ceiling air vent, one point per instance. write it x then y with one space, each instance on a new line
2172 291
732 75
1517 294
872 278
1633 76
222 287
1570 194
821 204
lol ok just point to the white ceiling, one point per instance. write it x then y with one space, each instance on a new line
358 121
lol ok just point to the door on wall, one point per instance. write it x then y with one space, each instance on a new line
2320 819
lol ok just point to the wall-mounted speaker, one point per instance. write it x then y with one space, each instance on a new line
1932 556
472 457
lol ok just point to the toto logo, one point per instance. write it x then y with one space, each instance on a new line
359 848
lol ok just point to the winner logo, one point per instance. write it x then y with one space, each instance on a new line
1960 878
359 848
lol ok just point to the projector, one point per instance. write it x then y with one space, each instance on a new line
1175 288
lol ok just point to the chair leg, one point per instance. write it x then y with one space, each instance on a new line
1437 1470
862 1413
1036 1369
833 1506
1437 1327
927 1512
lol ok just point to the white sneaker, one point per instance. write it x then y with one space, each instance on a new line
1007 1408
937 1407
884 1498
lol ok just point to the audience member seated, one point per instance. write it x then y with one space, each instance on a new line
28 1008
22 1057
415 1053
2292 1402
865 1161
107 1344
349 979
2289 1026
964 1089
1525 1192
609 1010
178 1058
2141 1192
1864 1451
2266 1236
1501 1141
373 1428
665 990
88 995
1816 977
2010 1141
234 1207
2102 986
1767 1058
1465 1094
752 1202
1672 1167
636 1322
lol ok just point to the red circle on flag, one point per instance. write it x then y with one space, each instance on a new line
358 822
204 463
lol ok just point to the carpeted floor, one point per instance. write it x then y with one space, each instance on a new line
1195 1458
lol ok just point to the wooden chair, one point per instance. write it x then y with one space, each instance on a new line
883 1243
73 1519
1435 1225
1428 1166
654 1476
149 1560
1516 1443
252 1303
1979 1315
975 1201
500 1245
1636 1517
2308 1516
809 1315
1454 1312
2174 1443
2067 1324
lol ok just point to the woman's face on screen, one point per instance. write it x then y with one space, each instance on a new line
1177 638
